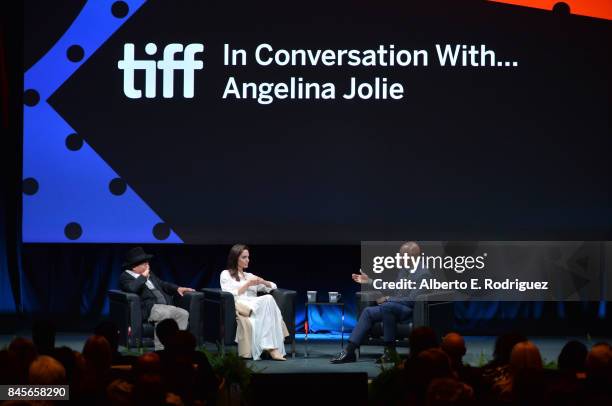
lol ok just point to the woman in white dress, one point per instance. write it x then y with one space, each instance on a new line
266 319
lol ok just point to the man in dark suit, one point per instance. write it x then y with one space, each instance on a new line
155 294
389 310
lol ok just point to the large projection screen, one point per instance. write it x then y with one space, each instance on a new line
315 122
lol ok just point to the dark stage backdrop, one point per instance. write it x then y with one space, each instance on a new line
78 277
11 107
68 283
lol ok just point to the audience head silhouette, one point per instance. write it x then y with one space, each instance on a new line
573 356
421 339
165 330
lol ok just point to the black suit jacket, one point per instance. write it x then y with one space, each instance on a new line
147 299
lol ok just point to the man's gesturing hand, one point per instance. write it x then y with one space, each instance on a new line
361 277
182 290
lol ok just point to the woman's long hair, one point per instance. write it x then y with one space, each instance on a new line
232 259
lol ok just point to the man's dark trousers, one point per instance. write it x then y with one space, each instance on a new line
389 313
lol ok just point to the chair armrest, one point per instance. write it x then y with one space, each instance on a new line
436 310
444 296
368 295
216 294
126 312
193 302
123 297
285 300
219 315
190 301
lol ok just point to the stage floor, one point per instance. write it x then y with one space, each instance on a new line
322 348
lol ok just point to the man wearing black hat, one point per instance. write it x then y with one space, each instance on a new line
155 294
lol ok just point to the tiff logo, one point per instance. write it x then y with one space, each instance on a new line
167 65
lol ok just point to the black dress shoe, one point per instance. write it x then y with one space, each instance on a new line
344 357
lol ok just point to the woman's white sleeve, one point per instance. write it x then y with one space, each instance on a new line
228 284
263 288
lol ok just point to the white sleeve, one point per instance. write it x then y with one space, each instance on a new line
263 288
228 284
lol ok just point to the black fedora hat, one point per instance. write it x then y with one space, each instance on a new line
135 256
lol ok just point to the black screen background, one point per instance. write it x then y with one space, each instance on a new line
470 152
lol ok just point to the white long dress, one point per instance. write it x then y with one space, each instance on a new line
266 319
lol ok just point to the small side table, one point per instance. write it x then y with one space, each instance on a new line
341 304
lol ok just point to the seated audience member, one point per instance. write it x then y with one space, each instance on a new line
572 357
599 374
449 392
524 385
46 370
498 367
599 361
565 386
109 330
148 364
94 375
119 393
150 387
423 368
97 354
21 353
43 336
150 390
453 345
166 329
155 294
421 339
178 363
389 310
67 357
